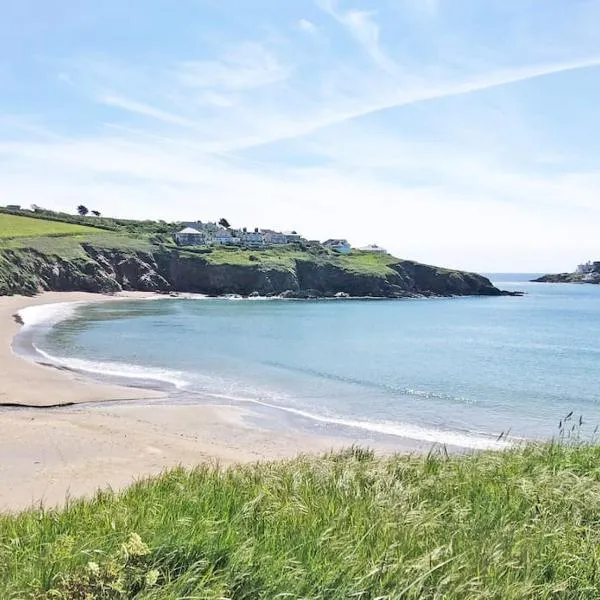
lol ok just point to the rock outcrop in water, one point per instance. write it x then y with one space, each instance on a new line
27 271
590 274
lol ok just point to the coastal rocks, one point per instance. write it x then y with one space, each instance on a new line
329 279
288 294
558 278
193 273
29 272
136 271
430 280
165 270
587 273
592 278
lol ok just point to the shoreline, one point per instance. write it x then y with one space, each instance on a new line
46 384
51 453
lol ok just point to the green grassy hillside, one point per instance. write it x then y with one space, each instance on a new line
44 250
523 524
14 226
64 240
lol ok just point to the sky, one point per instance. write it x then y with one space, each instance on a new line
461 133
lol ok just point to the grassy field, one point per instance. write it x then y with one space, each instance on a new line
524 524
368 262
286 257
13 226
63 239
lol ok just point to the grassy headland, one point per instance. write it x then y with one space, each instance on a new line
513 525
54 251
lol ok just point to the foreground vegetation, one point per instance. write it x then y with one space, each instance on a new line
520 524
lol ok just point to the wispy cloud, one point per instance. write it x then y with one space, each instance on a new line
362 128
364 29
143 109
307 26
248 66
425 92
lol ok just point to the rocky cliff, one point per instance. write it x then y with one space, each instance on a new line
164 269
591 275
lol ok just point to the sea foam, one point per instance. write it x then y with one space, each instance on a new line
417 433
117 370
51 314
47 314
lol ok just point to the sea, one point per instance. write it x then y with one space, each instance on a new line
469 372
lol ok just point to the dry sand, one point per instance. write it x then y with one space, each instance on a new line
47 455
24 382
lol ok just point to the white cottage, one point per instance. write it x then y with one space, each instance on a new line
222 237
190 237
274 238
373 248
341 246
252 239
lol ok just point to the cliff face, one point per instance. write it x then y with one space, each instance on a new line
592 276
26 271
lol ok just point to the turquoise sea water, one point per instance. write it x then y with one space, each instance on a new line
459 371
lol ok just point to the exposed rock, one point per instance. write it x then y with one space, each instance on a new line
591 276
164 270
559 278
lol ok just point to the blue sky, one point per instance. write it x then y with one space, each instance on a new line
456 132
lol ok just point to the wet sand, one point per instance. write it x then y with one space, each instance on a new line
50 454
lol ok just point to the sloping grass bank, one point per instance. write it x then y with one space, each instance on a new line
520 524
13 226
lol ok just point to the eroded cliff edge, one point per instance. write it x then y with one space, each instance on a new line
168 269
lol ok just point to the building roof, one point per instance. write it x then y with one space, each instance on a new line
336 242
372 247
190 230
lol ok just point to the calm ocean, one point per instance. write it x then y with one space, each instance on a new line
459 371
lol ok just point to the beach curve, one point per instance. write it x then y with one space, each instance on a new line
48 455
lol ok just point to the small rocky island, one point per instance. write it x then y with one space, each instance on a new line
588 272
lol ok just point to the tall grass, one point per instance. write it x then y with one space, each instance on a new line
520 524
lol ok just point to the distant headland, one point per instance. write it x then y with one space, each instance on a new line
46 250
588 272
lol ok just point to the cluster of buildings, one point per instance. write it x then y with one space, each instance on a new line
212 234
590 271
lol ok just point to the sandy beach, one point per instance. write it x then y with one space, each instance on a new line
49 454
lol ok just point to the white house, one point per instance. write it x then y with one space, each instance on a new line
222 237
271 237
292 236
587 267
252 239
373 248
341 246
189 237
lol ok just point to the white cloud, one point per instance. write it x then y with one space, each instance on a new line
248 66
321 142
361 106
307 26
363 27
143 109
